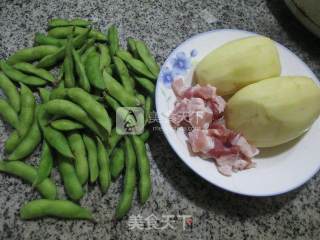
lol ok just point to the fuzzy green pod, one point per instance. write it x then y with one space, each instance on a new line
18 76
92 154
104 167
70 179
45 165
94 109
116 162
32 54
42 39
129 185
54 208
33 70
8 114
66 125
80 157
28 173
143 167
11 92
113 39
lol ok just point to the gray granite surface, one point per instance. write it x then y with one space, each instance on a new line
216 214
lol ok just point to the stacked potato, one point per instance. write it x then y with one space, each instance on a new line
268 109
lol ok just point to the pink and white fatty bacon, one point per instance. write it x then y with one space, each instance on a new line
200 111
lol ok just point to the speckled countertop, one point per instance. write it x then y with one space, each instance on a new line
177 190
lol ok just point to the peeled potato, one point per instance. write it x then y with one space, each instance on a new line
238 64
274 111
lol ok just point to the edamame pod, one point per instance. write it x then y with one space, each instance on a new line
53 137
70 179
141 98
94 74
104 167
59 22
105 59
69 109
12 142
108 70
63 32
85 55
42 39
44 94
126 197
32 54
68 66
145 135
80 69
116 162
60 79
28 173
143 167
147 109
94 109
123 73
45 165
58 93
8 114
26 117
28 144
79 151
146 56
81 39
113 39
146 84
131 45
54 208
52 59
116 90
66 125
28 104
92 157
18 76
123 54
58 141
29 68
90 42
136 65
113 140
10 90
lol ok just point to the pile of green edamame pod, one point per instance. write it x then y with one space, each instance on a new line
75 120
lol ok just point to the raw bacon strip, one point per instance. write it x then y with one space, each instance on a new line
178 115
181 91
193 111
200 108
205 92
217 106
230 163
178 87
199 116
246 149
199 141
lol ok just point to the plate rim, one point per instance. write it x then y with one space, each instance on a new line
166 134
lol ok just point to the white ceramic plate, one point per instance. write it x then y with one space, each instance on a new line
279 169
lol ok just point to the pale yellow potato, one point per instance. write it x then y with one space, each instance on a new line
239 63
275 110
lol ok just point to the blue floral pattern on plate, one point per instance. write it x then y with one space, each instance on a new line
178 65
